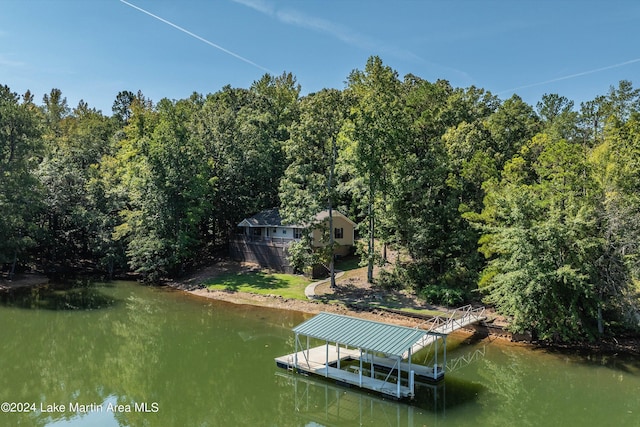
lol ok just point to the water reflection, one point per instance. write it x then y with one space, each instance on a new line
325 404
79 295
71 353
466 359
532 389
211 364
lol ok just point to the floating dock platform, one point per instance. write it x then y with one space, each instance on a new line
362 353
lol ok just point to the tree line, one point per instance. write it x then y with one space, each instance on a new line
533 208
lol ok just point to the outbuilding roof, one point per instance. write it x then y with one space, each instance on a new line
368 335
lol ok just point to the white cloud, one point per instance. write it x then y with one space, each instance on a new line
7 62
259 5
337 31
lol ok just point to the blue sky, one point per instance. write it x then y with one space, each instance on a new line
92 49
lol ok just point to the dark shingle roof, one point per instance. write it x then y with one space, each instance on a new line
268 217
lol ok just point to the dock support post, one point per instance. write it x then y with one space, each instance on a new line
444 364
372 368
398 381
360 372
435 362
412 383
409 360
338 351
410 372
326 360
295 355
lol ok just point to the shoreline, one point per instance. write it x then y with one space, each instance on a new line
610 346
307 307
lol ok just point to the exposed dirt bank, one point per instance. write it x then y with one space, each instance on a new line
352 296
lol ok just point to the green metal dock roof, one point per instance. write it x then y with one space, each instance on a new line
368 335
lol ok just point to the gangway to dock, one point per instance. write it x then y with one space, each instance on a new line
447 323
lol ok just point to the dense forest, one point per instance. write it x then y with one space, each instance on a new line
534 209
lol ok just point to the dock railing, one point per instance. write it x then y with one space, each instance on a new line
455 319
446 323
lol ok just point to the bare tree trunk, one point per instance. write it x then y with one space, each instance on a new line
334 154
600 323
332 269
12 272
371 245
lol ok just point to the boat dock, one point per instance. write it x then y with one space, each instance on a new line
368 354
314 361
349 339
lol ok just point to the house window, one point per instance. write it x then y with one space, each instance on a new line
338 233
297 233
284 231
257 231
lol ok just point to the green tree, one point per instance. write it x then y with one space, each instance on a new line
231 163
617 171
20 147
241 134
75 144
558 118
540 233
163 171
282 94
376 128
121 107
55 109
440 170
309 184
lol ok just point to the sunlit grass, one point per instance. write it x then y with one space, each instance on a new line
284 285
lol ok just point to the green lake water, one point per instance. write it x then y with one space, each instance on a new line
120 354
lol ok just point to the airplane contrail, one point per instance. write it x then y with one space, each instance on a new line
571 76
177 27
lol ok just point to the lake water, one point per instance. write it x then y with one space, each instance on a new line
120 354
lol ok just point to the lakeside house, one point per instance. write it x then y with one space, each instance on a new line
263 238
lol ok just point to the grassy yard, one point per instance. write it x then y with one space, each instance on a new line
284 285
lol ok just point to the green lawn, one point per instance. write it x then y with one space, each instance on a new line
284 285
